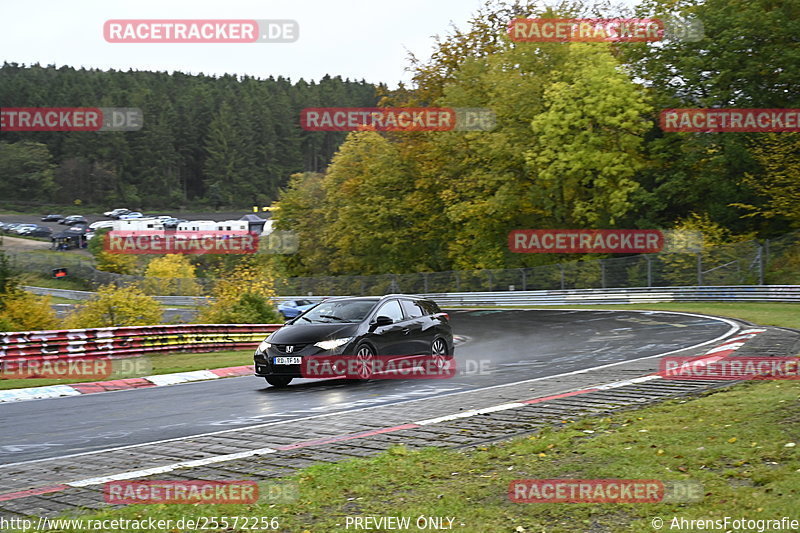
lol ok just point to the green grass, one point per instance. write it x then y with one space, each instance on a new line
161 364
765 314
39 280
734 443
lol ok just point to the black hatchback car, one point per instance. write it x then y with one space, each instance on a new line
391 328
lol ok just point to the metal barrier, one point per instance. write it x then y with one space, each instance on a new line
137 340
88 295
128 341
741 293
738 293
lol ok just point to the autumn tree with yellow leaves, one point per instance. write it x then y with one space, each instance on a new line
171 274
116 306
243 294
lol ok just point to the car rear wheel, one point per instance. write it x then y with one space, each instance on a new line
439 353
278 381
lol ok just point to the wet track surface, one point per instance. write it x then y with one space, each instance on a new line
502 347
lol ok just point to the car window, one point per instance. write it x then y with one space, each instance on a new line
413 309
430 307
392 310
303 302
339 311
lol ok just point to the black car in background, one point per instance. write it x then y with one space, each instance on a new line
394 326
73 219
52 218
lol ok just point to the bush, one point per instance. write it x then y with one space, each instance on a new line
23 311
171 274
249 308
112 306
243 295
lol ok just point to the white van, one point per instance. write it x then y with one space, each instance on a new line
138 224
197 225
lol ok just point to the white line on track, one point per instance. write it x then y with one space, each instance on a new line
169 468
734 328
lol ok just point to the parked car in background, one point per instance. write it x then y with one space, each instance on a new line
73 219
172 223
130 215
20 228
293 308
52 218
8 227
115 213
35 231
100 224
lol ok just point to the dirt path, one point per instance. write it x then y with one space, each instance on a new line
15 244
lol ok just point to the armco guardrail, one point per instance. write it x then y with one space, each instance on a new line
739 293
87 295
167 300
129 341
733 293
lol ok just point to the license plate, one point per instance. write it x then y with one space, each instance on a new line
288 360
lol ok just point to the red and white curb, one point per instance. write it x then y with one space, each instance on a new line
727 348
77 389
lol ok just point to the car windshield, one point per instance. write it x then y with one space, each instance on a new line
303 302
340 311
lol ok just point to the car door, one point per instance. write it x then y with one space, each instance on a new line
391 339
420 334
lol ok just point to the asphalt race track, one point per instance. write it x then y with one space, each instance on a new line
501 347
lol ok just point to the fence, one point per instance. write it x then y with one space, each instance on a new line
130 341
753 293
773 261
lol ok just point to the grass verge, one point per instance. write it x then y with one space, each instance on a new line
785 315
739 444
161 364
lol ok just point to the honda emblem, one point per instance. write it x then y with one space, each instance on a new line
289 349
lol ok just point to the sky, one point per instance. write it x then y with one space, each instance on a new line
356 39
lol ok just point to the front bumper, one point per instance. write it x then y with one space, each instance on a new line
265 366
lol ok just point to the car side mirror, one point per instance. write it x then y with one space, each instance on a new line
383 321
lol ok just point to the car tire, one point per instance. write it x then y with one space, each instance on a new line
365 357
278 381
440 352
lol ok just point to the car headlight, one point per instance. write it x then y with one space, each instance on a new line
333 343
264 346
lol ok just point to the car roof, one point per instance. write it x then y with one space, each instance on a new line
379 298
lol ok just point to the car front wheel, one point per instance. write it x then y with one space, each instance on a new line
365 358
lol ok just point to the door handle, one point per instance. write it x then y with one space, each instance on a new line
406 331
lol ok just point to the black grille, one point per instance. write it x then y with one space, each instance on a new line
282 347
